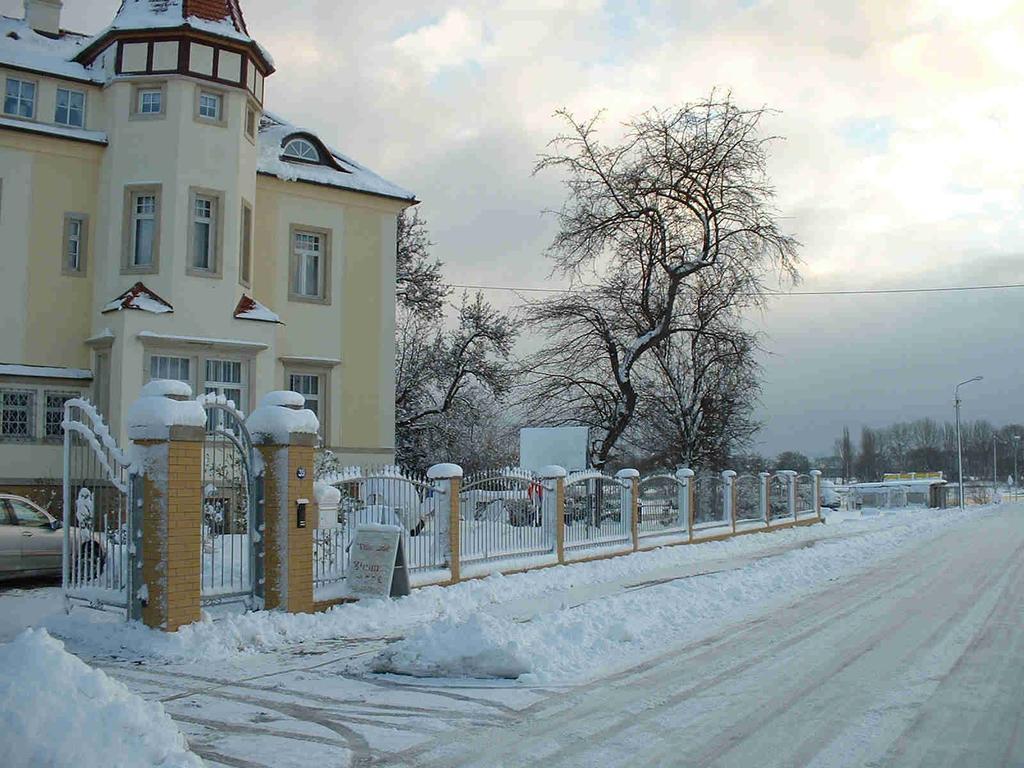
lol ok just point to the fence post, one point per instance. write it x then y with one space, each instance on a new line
168 429
816 484
284 434
449 477
554 505
729 496
685 478
766 496
630 502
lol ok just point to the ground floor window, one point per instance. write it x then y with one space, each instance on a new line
17 415
53 415
312 385
226 377
173 368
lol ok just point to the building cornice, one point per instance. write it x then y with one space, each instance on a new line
151 339
96 138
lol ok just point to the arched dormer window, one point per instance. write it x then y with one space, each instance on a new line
302 149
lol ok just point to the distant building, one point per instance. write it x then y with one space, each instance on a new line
157 222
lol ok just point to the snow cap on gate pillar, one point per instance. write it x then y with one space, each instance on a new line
281 418
815 473
165 407
684 473
444 472
552 472
728 474
627 474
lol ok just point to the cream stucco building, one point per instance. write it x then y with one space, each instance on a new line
157 222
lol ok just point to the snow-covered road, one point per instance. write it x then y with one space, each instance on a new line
890 639
918 662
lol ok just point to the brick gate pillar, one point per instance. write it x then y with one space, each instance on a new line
285 436
167 429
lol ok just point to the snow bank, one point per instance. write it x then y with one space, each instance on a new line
613 623
576 643
477 647
57 711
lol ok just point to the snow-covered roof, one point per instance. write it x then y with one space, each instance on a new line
141 298
45 372
60 131
337 171
221 16
250 309
22 47
216 17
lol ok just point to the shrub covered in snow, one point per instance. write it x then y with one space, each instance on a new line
57 711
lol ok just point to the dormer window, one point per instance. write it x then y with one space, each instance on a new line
301 149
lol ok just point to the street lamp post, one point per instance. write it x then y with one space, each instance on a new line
959 443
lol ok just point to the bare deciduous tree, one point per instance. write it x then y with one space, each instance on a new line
439 371
679 211
419 284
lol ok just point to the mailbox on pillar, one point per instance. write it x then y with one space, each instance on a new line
300 512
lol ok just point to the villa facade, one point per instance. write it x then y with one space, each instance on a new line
156 221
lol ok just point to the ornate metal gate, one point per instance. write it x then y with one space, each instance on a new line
100 515
232 522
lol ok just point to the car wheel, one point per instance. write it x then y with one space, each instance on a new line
93 560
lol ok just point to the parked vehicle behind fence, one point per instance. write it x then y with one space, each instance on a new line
31 541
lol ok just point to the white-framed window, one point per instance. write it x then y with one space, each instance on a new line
227 378
70 108
143 235
17 415
307 264
204 230
76 239
20 98
313 383
301 149
211 105
150 101
170 367
53 414
309 386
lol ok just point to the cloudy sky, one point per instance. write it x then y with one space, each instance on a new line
902 164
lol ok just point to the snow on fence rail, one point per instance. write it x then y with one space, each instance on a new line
512 519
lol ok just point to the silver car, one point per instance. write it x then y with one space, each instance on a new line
31 541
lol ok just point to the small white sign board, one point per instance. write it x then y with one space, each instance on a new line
376 554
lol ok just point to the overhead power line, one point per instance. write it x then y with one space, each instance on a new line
847 292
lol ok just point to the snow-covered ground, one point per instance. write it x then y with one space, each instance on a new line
269 689
56 710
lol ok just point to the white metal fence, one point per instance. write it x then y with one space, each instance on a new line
502 516
597 511
385 495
